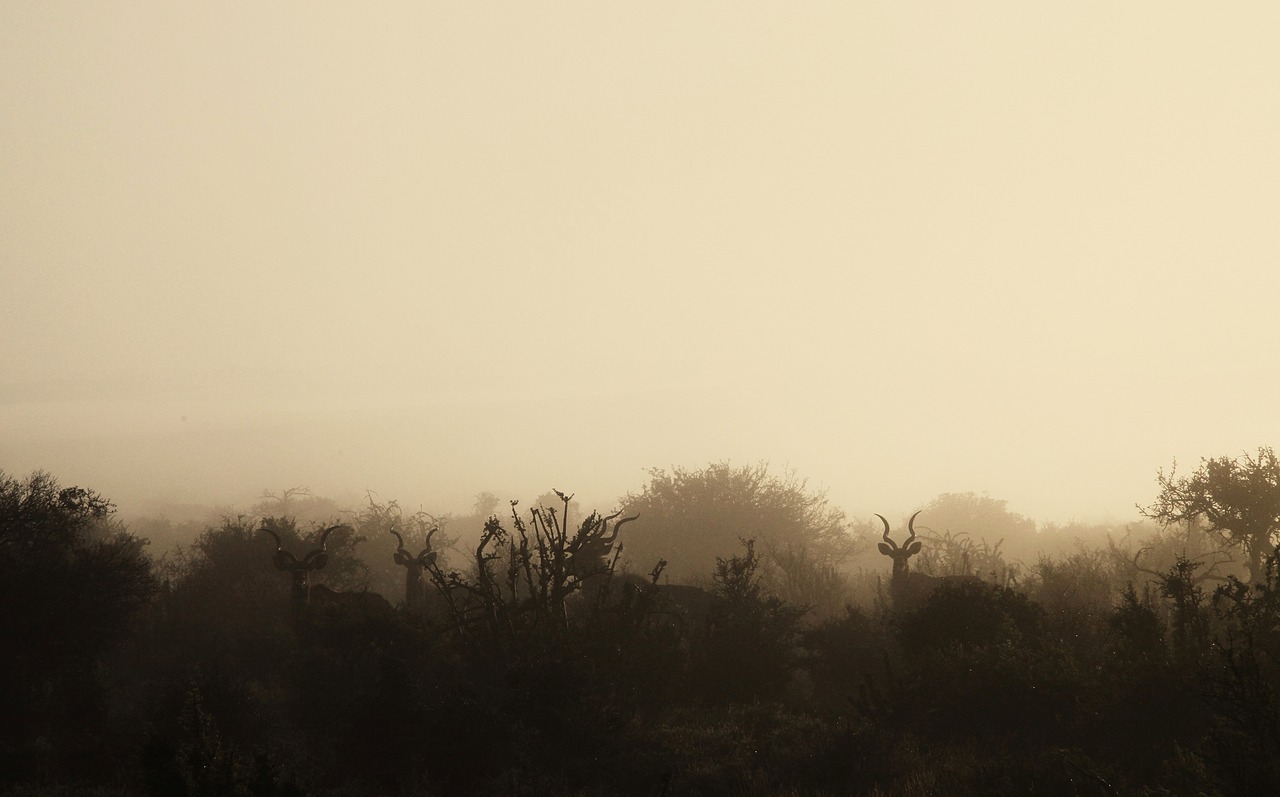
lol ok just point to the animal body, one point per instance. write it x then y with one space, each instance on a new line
686 608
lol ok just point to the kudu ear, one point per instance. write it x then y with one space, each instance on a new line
428 557
403 559
885 549
913 549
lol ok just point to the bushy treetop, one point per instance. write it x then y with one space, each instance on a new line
691 517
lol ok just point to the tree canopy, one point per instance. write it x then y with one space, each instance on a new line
689 518
1238 497
979 516
69 579
71 582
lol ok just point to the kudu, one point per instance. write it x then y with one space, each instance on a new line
588 559
304 592
417 587
907 589
685 607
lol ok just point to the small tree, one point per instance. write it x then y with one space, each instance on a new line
298 503
523 577
1239 498
751 649
375 525
977 516
690 517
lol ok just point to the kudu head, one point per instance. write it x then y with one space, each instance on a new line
414 581
300 569
900 555
588 551
425 557
587 555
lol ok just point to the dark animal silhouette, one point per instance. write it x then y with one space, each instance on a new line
580 565
587 554
907 589
304 592
418 590
686 607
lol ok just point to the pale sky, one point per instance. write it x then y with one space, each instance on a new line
1021 248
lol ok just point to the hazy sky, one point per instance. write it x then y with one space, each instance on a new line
1026 248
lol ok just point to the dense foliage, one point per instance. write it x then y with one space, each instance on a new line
1238 497
691 517
70 583
542 667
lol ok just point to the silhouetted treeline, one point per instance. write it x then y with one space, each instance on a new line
534 662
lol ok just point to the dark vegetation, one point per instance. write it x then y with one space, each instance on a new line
523 652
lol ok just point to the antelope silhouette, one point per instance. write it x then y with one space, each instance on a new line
906 588
304 593
581 563
417 589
